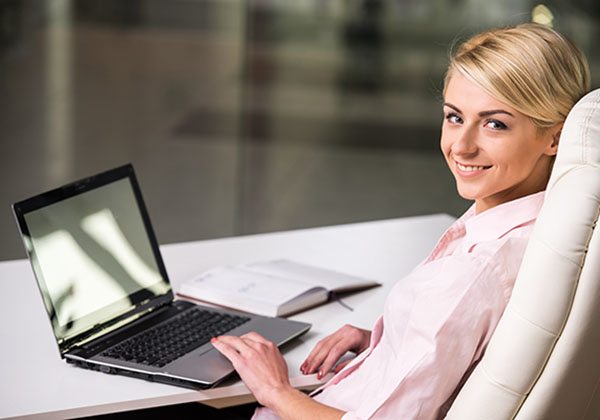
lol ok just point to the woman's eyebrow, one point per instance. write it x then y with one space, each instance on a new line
453 107
482 113
493 111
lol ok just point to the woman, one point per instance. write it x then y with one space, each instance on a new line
506 95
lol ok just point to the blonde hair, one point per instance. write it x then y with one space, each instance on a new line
530 67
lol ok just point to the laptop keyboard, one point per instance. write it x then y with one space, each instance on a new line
172 339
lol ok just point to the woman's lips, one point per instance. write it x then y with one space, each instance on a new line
471 170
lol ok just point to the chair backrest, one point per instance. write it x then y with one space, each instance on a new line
543 361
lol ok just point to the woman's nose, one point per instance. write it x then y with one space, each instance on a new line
465 142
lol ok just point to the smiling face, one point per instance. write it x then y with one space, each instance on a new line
495 153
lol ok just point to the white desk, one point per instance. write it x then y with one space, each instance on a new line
34 381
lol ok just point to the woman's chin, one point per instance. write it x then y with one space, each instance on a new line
466 194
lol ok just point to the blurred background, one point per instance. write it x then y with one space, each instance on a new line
244 116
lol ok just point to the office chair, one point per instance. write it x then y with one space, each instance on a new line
543 361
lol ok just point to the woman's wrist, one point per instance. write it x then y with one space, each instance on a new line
282 396
291 404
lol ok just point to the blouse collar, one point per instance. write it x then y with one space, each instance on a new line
496 222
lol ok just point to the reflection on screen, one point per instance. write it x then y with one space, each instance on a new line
91 253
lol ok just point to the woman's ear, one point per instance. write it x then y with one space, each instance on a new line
554 134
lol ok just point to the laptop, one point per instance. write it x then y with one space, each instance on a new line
107 293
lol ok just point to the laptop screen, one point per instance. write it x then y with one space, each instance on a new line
93 257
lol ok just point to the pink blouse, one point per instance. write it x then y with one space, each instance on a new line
437 320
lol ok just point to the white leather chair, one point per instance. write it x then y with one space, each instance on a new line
543 361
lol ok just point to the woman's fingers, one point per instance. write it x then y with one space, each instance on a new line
333 356
254 336
227 350
328 351
325 356
341 365
317 355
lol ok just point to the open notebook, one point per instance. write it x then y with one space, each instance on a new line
271 288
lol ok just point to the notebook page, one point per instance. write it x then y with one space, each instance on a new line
233 285
316 276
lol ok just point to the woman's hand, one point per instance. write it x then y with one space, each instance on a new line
329 350
259 363
264 371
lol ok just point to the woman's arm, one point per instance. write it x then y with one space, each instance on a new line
264 371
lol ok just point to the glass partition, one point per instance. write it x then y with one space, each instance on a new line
243 116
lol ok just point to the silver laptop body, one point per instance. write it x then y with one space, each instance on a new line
103 283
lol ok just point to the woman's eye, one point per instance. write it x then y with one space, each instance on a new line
495 125
453 118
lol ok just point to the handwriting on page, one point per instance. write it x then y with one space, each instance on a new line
257 286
